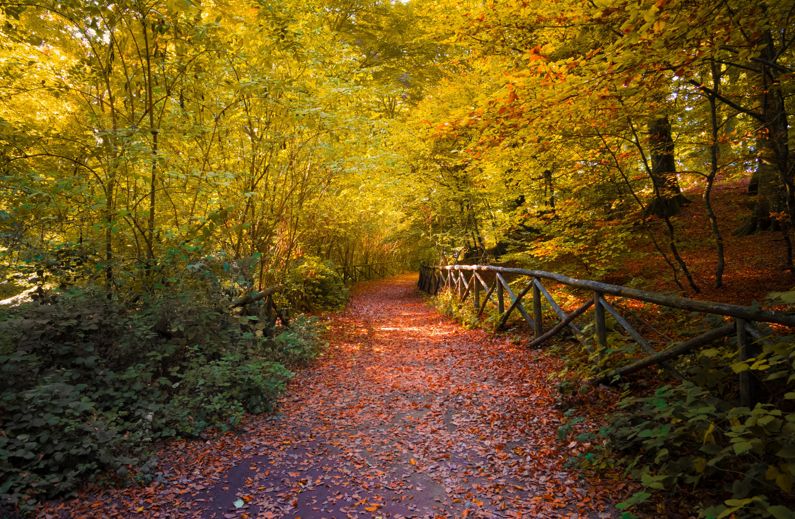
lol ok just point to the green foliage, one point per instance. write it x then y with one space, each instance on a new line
572 243
87 383
448 303
56 435
298 345
314 284
219 392
695 436
787 297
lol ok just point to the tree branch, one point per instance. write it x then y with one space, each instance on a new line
725 100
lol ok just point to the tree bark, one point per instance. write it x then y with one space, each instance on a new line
668 197
714 154
772 181
153 130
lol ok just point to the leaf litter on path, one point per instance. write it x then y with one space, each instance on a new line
406 415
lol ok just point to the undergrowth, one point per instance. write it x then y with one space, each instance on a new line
448 303
88 384
314 284
690 444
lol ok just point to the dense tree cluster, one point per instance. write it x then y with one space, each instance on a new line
139 136
557 118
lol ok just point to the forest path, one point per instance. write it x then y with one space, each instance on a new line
407 415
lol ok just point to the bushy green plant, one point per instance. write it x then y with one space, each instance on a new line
87 383
314 284
55 435
448 303
298 345
691 436
219 392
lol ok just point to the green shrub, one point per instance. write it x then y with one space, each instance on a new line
87 384
54 437
313 284
219 392
695 436
448 303
298 345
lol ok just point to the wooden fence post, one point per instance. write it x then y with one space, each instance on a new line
476 292
537 314
500 297
599 320
747 382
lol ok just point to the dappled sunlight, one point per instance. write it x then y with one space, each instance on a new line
409 421
400 329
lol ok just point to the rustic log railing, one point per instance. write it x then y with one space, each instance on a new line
267 310
471 281
354 273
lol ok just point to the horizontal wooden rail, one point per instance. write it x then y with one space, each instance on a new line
368 271
466 280
694 305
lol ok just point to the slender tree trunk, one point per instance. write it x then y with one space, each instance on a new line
643 208
150 226
109 218
714 167
775 136
666 219
110 186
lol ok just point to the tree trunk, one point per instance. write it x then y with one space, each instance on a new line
772 181
714 154
150 106
668 197
549 190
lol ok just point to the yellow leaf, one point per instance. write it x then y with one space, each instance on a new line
708 436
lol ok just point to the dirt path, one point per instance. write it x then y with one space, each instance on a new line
407 415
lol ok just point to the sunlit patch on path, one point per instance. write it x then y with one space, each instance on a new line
407 415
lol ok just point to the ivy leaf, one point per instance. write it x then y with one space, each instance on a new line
741 447
780 512
635 499
652 481
787 452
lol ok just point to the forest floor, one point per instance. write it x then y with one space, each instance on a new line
755 263
407 414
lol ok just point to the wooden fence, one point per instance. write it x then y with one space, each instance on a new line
354 273
486 283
